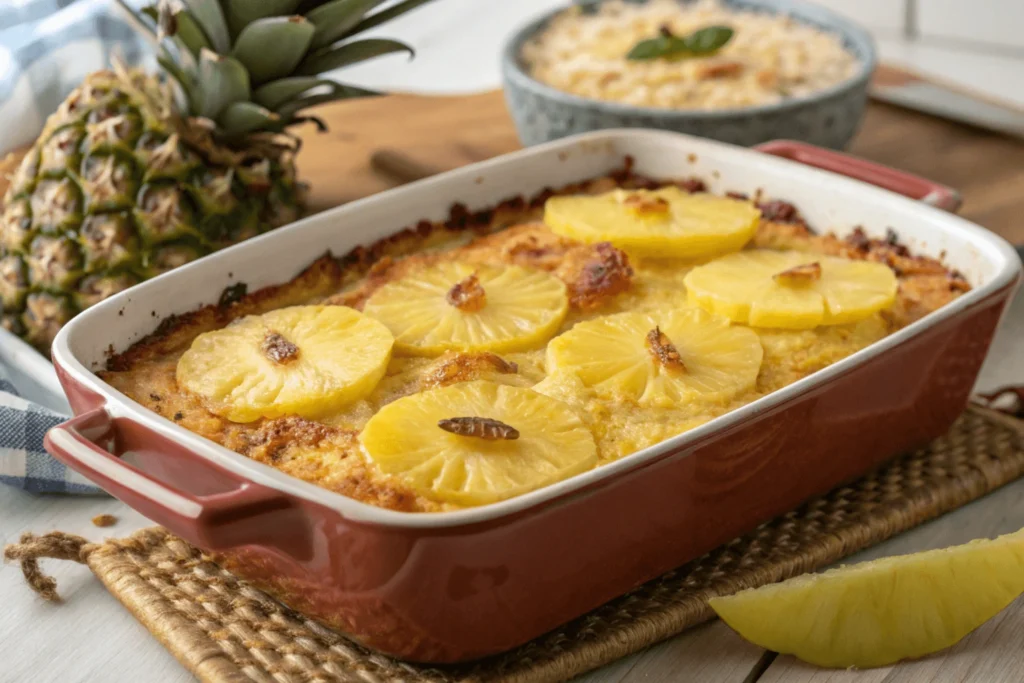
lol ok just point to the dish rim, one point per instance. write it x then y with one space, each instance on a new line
513 71
117 404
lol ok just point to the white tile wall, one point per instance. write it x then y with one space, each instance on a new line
998 23
982 23
882 15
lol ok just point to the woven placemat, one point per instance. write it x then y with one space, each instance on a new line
225 631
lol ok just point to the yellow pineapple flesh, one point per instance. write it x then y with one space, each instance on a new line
791 289
659 223
880 612
478 442
456 306
660 358
302 360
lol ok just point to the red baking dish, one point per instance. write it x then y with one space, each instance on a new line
445 587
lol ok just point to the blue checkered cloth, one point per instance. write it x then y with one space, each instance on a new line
23 462
46 48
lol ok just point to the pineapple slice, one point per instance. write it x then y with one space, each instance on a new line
456 306
878 613
658 359
478 442
791 289
660 223
303 360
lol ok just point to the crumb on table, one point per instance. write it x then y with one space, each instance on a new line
104 520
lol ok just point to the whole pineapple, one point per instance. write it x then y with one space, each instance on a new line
137 173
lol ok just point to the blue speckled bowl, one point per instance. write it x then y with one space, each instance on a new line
828 118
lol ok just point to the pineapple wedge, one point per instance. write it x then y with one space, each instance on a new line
878 613
791 289
478 442
456 306
303 360
660 223
659 359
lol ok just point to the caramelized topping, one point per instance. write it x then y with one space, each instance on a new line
664 351
278 349
464 367
467 295
799 276
719 70
479 427
602 271
643 204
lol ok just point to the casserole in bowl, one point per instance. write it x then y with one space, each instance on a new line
828 115
446 586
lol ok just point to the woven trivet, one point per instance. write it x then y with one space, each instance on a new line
225 631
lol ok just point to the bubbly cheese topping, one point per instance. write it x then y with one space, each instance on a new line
599 279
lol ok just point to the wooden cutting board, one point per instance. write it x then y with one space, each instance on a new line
443 133
440 133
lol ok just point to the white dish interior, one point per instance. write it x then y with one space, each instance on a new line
828 201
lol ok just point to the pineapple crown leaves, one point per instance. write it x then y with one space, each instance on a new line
253 67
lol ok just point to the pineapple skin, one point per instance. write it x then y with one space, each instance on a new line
113 193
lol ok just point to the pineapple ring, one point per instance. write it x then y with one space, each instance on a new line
456 306
406 439
791 289
661 223
302 360
659 359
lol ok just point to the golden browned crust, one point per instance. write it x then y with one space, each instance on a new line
455 367
510 233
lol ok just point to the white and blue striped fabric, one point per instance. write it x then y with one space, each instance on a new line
46 49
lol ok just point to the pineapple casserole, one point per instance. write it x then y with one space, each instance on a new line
470 361
700 55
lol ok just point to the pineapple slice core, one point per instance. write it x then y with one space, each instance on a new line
660 359
303 360
456 306
478 442
660 223
791 289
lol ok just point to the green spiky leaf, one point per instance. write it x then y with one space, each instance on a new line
136 19
222 80
386 15
275 93
351 53
244 117
241 13
334 19
185 82
343 92
209 16
290 38
192 36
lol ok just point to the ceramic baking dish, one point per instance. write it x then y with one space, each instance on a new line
442 587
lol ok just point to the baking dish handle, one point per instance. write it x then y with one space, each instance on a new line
217 521
907 184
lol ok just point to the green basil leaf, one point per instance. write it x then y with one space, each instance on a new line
701 42
708 39
652 48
